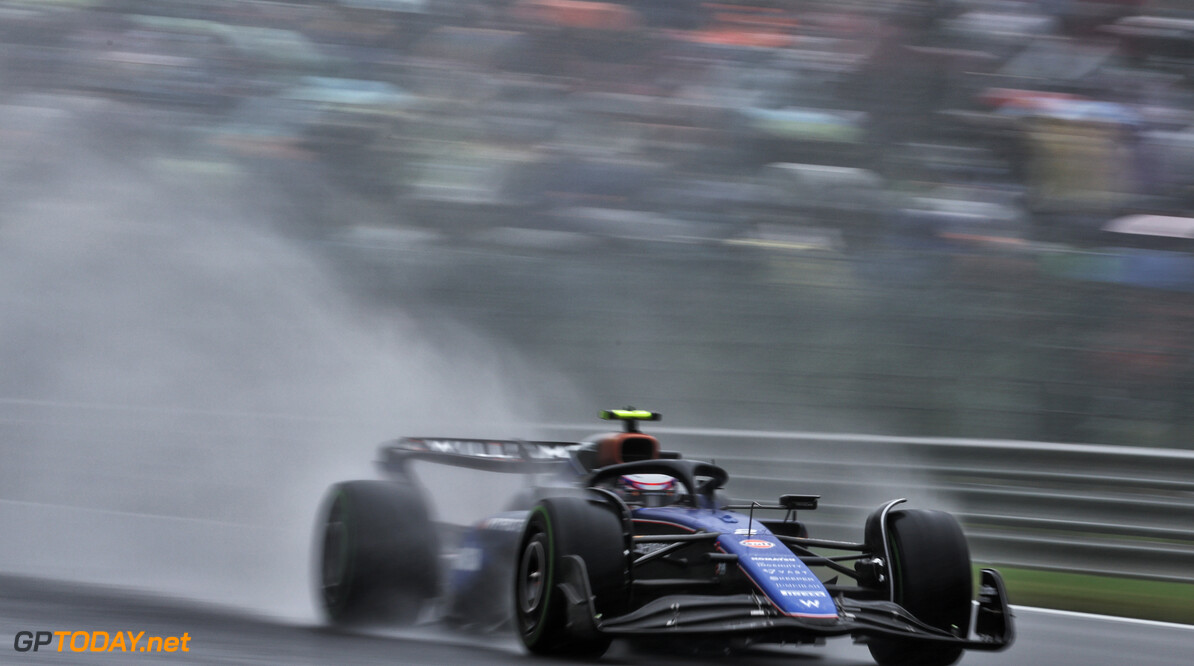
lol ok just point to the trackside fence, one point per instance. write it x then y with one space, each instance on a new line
1109 510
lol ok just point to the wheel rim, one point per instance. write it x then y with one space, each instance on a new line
532 573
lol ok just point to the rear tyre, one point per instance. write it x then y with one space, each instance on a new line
557 528
378 555
930 564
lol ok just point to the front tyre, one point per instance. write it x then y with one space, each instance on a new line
377 554
931 575
556 529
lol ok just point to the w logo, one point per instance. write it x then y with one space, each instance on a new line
811 603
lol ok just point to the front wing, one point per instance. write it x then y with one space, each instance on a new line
750 615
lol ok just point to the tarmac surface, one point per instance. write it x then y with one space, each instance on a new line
223 635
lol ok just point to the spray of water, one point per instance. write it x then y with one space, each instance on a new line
181 382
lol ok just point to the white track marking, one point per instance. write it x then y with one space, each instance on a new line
1105 618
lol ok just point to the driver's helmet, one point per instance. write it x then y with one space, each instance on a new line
647 489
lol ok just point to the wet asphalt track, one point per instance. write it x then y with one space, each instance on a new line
228 636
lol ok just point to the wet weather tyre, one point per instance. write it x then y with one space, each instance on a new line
558 528
931 575
376 554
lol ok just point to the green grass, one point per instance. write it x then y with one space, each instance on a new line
1127 597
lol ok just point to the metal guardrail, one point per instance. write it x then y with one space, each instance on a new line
1109 510
1116 510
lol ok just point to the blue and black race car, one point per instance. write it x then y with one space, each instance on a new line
613 537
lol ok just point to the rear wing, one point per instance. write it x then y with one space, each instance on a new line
491 455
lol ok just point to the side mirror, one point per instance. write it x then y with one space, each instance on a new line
799 502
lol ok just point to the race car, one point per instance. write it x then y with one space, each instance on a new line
614 538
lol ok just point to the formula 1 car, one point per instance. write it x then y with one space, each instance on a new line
613 537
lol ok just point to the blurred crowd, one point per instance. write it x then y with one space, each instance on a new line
1022 119
1045 137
